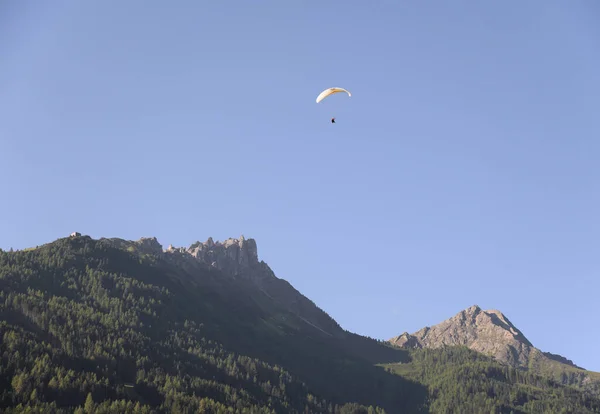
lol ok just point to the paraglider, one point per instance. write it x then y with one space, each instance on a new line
330 91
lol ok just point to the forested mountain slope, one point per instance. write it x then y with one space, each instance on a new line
112 325
99 321
461 380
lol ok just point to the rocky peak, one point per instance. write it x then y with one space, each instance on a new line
489 332
406 340
149 245
233 256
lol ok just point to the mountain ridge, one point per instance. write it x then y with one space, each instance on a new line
238 257
169 331
210 325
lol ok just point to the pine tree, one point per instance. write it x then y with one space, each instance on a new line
89 406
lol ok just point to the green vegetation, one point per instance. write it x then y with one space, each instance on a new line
461 380
565 374
90 326
81 319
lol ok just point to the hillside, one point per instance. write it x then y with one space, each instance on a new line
112 325
84 319
461 380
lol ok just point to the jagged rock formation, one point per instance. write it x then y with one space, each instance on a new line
235 256
489 332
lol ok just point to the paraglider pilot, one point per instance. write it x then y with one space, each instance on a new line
333 120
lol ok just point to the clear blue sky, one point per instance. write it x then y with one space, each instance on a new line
463 170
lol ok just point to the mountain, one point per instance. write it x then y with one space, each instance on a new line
491 333
488 332
117 326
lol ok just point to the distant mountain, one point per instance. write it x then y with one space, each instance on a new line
119 326
491 333
488 332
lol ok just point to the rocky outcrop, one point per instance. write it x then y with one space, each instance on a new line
234 256
149 245
145 245
406 340
489 332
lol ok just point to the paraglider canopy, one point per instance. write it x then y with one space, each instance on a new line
331 91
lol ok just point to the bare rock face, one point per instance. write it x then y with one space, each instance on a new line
234 256
406 340
488 332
